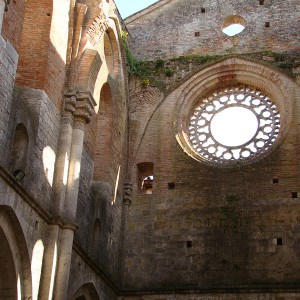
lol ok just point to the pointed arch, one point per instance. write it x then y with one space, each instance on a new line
103 147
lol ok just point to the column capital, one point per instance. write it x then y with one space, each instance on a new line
70 103
79 105
85 104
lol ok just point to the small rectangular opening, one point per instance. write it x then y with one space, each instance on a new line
197 33
171 185
279 241
202 10
261 2
189 244
294 194
275 180
267 24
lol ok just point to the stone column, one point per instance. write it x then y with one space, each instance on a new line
84 108
3 8
63 155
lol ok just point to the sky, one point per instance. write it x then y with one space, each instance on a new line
129 7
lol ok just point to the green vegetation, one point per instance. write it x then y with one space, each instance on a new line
154 73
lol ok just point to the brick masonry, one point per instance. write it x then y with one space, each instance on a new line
186 240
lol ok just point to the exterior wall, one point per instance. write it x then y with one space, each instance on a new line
165 22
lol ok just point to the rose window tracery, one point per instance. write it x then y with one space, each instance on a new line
233 125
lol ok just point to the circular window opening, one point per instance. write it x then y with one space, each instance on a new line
234 125
233 25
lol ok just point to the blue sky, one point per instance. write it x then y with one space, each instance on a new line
129 7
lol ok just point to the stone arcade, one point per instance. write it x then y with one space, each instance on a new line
128 170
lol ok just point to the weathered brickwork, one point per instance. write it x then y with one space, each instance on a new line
13 23
101 193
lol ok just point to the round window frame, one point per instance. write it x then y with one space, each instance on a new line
201 152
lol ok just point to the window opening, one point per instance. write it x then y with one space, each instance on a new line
145 177
267 24
294 195
171 185
147 185
233 25
202 10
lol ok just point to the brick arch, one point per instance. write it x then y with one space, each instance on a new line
103 146
86 292
13 247
87 71
111 52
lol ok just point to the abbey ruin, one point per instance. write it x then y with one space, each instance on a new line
150 158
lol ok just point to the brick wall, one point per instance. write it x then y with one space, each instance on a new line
190 229
13 22
43 47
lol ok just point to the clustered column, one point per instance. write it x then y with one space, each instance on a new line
78 110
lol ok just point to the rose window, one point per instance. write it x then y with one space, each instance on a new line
233 125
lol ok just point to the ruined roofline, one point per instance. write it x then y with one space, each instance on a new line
145 11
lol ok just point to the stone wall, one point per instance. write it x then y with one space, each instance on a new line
8 66
198 29
186 235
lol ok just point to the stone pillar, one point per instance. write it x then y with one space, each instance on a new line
63 156
3 8
84 108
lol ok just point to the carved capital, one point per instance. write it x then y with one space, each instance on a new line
84 107
127 193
